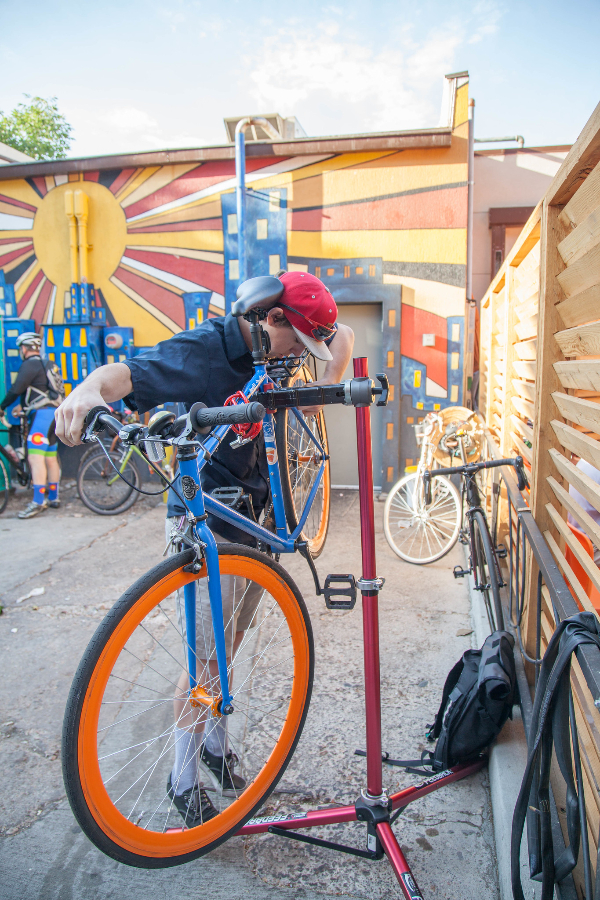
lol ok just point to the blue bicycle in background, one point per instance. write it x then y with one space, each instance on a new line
217 636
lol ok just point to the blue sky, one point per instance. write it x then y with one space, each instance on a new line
141 75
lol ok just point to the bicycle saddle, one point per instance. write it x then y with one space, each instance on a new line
262 289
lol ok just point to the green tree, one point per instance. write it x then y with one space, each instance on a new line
36 128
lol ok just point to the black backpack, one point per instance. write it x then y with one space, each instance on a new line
56 388
478 698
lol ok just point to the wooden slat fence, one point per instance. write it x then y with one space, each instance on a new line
539 392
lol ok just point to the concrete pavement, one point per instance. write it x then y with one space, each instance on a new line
84 562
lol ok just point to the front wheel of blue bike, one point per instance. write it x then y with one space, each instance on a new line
132 719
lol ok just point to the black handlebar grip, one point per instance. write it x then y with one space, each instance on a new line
92 415
99 419
203 417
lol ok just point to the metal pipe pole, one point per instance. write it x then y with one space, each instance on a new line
470 191
240 174
370 601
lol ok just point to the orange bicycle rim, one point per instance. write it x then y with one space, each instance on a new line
112 822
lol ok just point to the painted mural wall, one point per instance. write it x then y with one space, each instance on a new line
163 246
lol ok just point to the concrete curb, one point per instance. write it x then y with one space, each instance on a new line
508 758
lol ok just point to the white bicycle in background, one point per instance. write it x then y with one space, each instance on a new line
420 532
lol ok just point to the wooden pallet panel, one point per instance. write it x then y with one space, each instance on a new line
583 239
576 477
524 389
585 521
525 430
526 349
525 407
575 409
581 308
581 341
568 573
587 563
582 274
521 447
584 201
579 374
525 368
581 159
528 308
527 328
582 445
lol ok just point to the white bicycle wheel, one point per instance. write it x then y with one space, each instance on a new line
420 533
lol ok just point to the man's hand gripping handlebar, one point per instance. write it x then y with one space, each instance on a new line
471 469
200 420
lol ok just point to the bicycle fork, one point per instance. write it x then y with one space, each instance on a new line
207 545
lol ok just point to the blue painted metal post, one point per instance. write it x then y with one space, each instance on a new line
240 171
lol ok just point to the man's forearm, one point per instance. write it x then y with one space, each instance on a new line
341 349
113 382
105 385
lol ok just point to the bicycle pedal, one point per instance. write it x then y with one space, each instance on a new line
349 591
458 572
501 552
230 496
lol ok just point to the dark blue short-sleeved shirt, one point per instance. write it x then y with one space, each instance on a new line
209 363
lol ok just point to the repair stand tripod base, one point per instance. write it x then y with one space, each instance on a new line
373 807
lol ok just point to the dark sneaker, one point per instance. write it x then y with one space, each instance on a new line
220 770
54 504
193 805
32 509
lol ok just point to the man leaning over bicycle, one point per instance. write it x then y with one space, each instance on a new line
209 364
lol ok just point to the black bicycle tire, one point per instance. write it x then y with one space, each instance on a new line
480 528
131 497
3 480
281 424
85 671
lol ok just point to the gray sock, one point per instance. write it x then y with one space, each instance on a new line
215 736
184 772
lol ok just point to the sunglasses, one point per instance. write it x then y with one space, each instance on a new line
319 332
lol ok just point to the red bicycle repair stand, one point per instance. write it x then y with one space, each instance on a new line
374 806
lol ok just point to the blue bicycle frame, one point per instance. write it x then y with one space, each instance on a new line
280 542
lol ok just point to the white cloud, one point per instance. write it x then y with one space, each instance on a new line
489 13
129 120
334 75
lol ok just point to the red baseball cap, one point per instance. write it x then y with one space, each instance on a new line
310 309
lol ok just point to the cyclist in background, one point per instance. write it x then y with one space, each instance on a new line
36 393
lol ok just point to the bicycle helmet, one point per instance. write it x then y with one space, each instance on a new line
29 339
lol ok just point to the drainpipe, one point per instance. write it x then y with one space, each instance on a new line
471 184
240 174
81 212
72 236
470 304
74 247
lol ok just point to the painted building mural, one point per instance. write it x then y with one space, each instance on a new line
152 249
